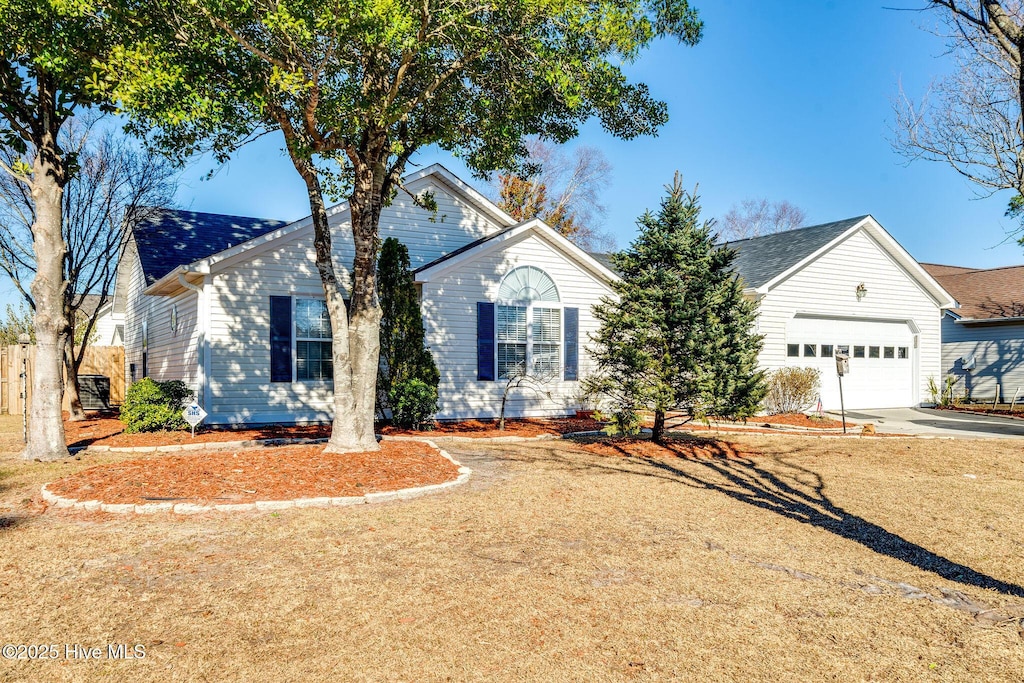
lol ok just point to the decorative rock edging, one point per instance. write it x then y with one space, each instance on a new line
200 446
256 443
477 439
264 505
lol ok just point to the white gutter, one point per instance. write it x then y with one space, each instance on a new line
188 285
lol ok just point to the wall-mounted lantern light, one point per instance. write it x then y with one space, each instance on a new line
862 291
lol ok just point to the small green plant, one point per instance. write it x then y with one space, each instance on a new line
413 403
792 390
155 406
945 396
624 422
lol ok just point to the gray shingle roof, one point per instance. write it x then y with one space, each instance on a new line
760 259
604 259
171 238
466 247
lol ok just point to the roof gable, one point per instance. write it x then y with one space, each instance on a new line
480 247
170 238
760 260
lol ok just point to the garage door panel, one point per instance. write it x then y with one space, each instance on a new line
875 380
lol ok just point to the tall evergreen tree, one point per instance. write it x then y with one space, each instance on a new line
679 336
404 356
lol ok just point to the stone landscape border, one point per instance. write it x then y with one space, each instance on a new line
259 505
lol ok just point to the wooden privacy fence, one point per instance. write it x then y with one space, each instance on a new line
99 360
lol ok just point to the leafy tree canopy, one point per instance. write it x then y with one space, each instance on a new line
470 77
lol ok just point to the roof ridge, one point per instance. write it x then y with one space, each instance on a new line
169 209
829 224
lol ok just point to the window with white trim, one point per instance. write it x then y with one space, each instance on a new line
313 349
528 324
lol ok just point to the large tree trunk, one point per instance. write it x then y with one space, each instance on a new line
351 429
365 312
76 412
46 426
658 432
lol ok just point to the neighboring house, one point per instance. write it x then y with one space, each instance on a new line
983 337
234 307
109 327
847 287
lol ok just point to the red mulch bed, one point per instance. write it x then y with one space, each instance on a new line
981 409
798 420
676 447
245 476
109 431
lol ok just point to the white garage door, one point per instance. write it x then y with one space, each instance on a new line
882 360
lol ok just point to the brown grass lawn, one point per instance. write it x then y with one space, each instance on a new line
812 559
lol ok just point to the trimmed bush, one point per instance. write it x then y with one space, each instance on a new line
792 390
413 402
155 406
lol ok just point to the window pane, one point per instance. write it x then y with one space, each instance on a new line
313 360
872 352
826 350
858 351
547 325
511 357
792 350
311 319
545 359
888 352
810 350
511 324
844 349
902 352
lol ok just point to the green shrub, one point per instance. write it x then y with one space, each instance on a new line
792 390
622 422
155 406
945 396
413 402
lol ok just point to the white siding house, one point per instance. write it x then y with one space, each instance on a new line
233 307
847 286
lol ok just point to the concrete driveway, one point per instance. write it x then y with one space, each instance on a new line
925 421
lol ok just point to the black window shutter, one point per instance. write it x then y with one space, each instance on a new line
485 341
572 344
280 339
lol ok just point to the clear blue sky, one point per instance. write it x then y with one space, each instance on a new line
784 100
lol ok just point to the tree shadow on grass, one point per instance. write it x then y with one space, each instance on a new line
796 493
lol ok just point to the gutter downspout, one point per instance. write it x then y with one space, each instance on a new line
202 388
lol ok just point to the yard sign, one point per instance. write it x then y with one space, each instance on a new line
194 414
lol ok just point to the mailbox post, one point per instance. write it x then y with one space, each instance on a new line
842 368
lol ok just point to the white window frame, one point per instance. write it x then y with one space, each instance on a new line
295 341
530 307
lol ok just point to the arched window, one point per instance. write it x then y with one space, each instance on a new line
529 324
528 283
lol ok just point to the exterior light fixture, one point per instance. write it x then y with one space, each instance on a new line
862 291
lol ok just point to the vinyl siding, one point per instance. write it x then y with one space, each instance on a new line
449 305
173 354
826 287
998 351
240 386
106 329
